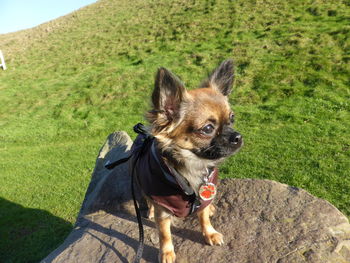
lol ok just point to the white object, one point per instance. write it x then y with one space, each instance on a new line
2 61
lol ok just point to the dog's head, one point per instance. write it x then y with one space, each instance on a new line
198 121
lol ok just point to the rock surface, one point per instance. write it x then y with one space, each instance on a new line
262 221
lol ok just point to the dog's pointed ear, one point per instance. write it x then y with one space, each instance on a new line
168 94
222 78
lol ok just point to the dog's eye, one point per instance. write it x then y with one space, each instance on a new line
207 129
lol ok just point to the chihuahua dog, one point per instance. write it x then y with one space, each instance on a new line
193 133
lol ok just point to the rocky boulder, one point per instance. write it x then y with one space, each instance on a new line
262 221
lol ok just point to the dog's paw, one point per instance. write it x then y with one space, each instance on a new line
167 257
214 238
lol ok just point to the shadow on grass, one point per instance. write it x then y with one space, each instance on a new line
28 235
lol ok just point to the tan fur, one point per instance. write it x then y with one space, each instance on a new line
210 105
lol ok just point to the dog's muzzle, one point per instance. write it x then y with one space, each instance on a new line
223 145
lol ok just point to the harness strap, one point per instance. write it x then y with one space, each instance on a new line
110 165
138 128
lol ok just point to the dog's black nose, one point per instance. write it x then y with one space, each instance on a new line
235 138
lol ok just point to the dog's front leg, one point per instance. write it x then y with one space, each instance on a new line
163 222
212 237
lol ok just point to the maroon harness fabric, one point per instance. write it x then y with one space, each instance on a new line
158 182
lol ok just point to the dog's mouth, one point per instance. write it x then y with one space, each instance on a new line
219 151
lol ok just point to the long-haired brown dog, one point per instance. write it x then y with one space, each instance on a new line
193 134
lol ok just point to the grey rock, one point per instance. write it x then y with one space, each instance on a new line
263 222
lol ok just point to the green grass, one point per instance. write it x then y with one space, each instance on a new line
74 80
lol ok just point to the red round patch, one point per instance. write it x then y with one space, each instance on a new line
207 191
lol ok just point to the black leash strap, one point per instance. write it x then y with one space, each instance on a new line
140 129
139 221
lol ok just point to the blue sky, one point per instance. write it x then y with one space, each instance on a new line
22 14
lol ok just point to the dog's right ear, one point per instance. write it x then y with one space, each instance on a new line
222 78
167 95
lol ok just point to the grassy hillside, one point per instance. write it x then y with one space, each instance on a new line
76 79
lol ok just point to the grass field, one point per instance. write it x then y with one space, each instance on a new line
74 80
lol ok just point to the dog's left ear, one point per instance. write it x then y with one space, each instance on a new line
222 78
